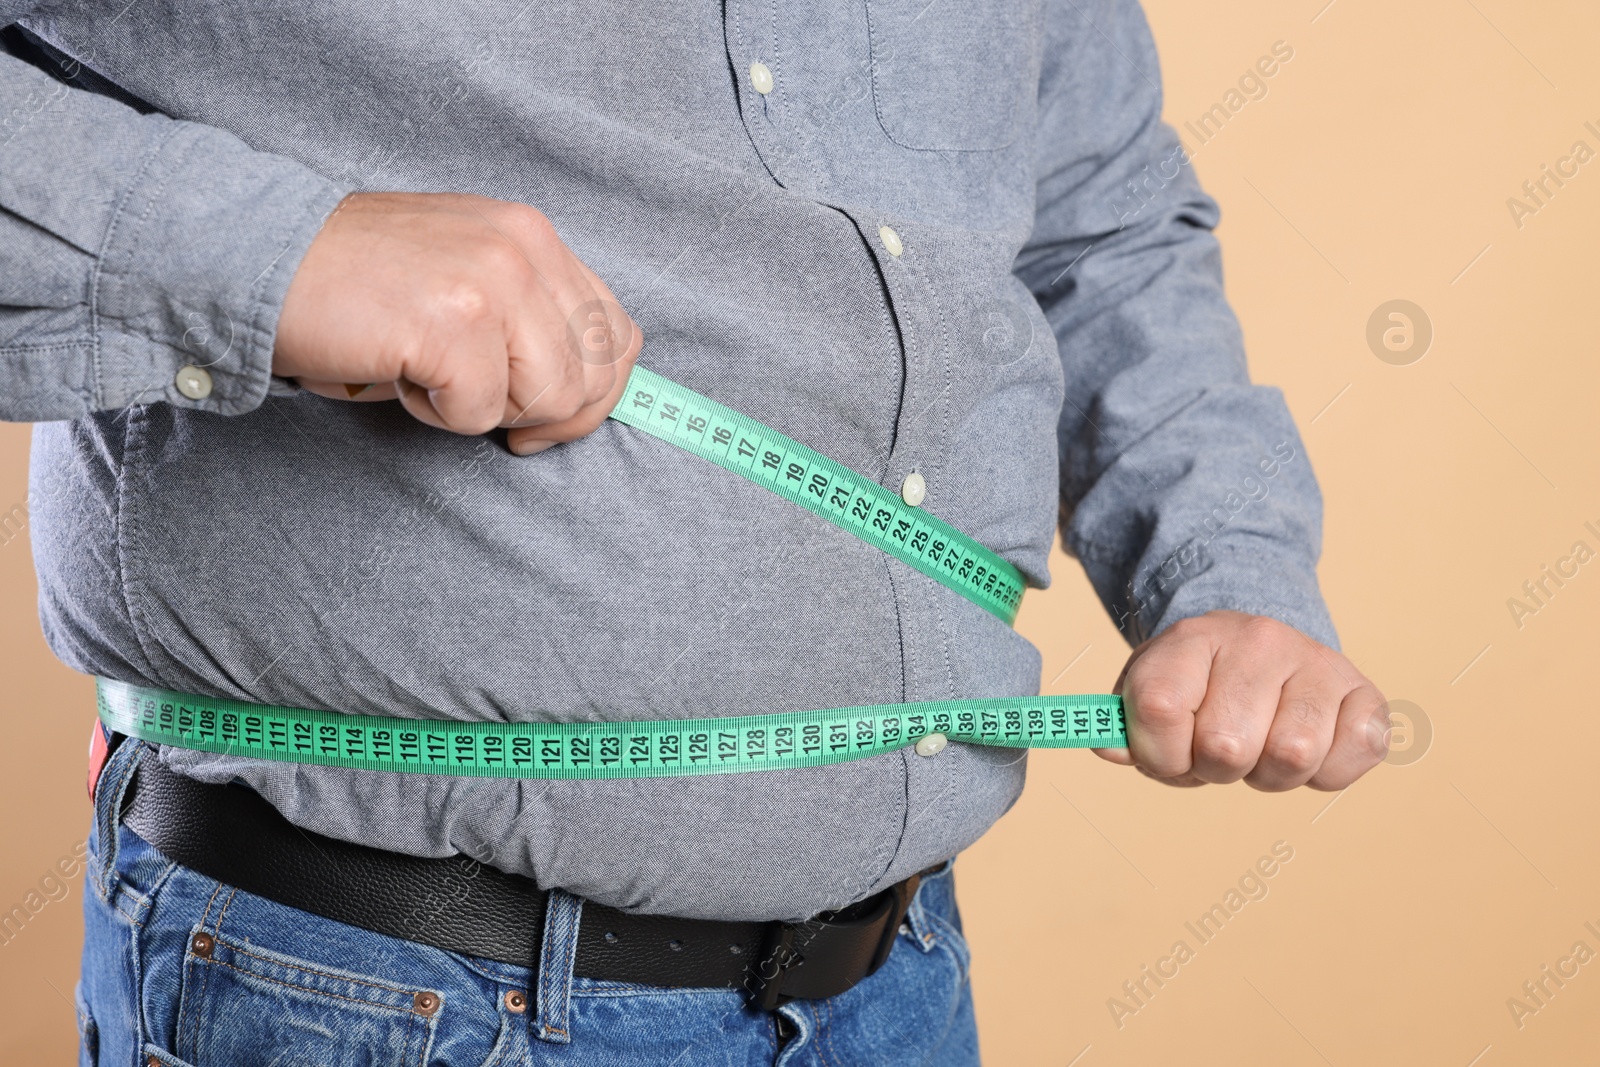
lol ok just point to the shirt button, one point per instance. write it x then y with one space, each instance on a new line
932 745
761 78
194 382
913 489
891 240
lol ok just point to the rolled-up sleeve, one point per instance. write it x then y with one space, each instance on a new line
142 258
1184 487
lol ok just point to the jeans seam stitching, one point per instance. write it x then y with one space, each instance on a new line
103 886
206 917
307 989
237 951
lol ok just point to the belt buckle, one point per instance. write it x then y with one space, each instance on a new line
778 954
777 951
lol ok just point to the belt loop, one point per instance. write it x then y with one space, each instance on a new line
922 932
110 789
557 953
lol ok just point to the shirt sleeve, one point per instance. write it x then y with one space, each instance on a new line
142 258
1184 487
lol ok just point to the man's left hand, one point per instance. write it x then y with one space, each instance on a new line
1225 696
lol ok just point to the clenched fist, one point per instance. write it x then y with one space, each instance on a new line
471 310
1226 695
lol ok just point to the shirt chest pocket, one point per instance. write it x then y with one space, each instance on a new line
953 75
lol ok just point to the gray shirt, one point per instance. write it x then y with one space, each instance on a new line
1051 345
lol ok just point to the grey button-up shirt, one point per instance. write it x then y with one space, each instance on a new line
1040 333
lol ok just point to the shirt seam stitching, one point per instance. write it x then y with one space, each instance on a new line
98 272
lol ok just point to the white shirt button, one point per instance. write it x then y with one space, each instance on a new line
194 382
891 240
761 78
932 745
913 489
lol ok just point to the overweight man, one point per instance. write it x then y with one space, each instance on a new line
321 309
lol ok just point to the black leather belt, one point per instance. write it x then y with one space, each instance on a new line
231 833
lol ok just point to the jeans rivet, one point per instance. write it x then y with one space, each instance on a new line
425 1003
516 1001
203 945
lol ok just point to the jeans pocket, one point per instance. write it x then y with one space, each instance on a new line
242 1005
88 1032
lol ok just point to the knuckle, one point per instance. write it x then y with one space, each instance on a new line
463 302
1188 626
1156 704
598 385
1305 712
1223 749
531 223
566 400
1260 632
1296 751
504 260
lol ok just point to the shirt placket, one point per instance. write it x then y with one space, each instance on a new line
910 282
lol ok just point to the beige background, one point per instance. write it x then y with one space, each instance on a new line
1377 167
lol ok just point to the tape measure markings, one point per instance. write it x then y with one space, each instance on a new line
730 745
738 443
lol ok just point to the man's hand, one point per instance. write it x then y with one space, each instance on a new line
470 310
1227 695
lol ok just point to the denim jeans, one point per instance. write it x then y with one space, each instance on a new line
179 969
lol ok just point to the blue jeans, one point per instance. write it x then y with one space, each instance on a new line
275 985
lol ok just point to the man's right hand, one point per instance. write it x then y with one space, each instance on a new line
471 310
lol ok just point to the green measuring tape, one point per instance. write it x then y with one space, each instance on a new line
698 424
755 451
608 749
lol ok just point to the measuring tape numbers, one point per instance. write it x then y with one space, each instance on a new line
787 740
735 442
602 750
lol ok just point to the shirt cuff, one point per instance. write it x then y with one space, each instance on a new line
193 272
1241 573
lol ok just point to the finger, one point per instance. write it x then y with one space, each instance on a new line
605 342
547 378
1360 740
463 379
545 384
1240 703
360 393
606 332
1302 730
1122 756
1162 692
1182 781
418 404
536 438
